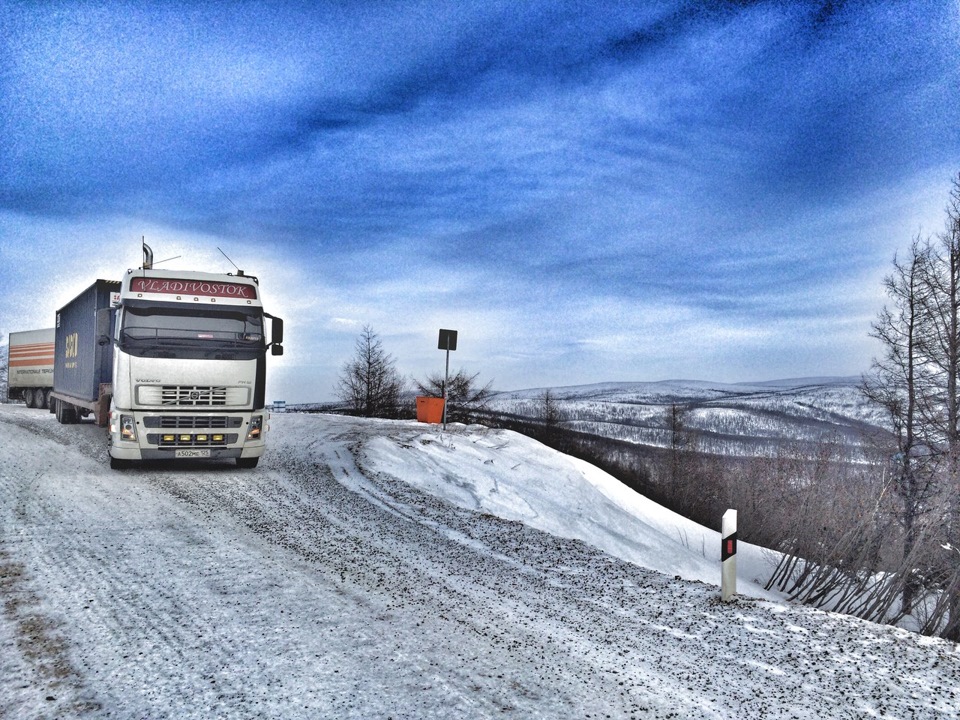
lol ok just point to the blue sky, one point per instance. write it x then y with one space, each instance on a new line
586 191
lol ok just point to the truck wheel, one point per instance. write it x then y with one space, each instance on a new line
66 413
39 399
247 463
28 397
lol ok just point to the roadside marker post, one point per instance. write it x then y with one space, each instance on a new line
728 556
448 342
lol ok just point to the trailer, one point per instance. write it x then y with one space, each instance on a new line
83 363
30 366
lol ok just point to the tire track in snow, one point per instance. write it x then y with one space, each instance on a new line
91 563
37 665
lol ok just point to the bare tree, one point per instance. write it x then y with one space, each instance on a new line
918 382
899 384
694 481
681 439
939 340
370 383
549 414
941 405
548 410
949 567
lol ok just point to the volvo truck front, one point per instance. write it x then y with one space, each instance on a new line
189 367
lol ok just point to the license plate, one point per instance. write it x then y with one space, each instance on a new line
191 453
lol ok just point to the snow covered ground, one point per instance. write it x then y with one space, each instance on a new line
374 569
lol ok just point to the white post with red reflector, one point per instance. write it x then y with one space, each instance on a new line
728 556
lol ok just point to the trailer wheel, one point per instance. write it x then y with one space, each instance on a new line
66 413
247 463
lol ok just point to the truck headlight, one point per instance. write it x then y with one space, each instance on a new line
256 428
128 428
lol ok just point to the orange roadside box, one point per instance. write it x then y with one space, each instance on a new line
429 409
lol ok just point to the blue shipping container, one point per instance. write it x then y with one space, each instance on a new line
81 362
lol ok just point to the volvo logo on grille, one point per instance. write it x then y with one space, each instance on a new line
194 395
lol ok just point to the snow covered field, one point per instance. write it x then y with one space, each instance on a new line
375 569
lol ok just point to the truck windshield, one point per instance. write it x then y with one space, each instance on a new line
227 334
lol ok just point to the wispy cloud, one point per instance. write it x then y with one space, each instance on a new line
714 181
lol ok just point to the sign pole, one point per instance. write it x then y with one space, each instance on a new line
728 556
448 342
446 381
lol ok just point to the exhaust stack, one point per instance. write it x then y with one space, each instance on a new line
147 257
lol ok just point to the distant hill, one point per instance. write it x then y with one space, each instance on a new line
744 419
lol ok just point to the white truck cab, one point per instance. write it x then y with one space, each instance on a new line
189 367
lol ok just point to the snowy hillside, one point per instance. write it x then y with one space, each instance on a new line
731 419
375 569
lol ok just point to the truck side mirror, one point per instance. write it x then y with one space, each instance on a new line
276 332
276 349
104 316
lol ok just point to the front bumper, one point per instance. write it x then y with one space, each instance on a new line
174 436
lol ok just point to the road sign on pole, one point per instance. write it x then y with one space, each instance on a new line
448 342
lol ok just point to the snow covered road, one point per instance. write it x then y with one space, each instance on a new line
373 569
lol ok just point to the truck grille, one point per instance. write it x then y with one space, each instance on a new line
190 422
192 396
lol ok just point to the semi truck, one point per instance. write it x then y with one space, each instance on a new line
174 362
30 366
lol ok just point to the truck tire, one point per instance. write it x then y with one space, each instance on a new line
40 398
28 397
247 463
66 413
